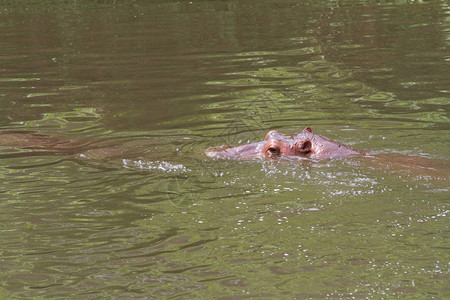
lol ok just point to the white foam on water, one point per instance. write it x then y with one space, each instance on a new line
154 165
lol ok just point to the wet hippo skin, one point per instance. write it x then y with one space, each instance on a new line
45 144
79 148
303 144
35 141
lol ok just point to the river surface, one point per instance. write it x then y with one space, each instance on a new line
159 82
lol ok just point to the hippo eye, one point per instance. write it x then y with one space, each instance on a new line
273 150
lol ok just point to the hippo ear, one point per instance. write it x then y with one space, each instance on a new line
271 134
308 129
304 146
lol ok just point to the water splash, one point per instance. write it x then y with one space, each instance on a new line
155 165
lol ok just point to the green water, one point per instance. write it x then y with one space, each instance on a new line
160 81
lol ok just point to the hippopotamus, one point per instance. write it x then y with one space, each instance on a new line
79 148
302 144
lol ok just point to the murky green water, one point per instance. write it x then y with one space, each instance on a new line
157 82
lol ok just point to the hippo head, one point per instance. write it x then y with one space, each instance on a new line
274 145
302 144
278 144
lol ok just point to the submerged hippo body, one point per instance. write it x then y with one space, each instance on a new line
302 144
45 144
39 142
